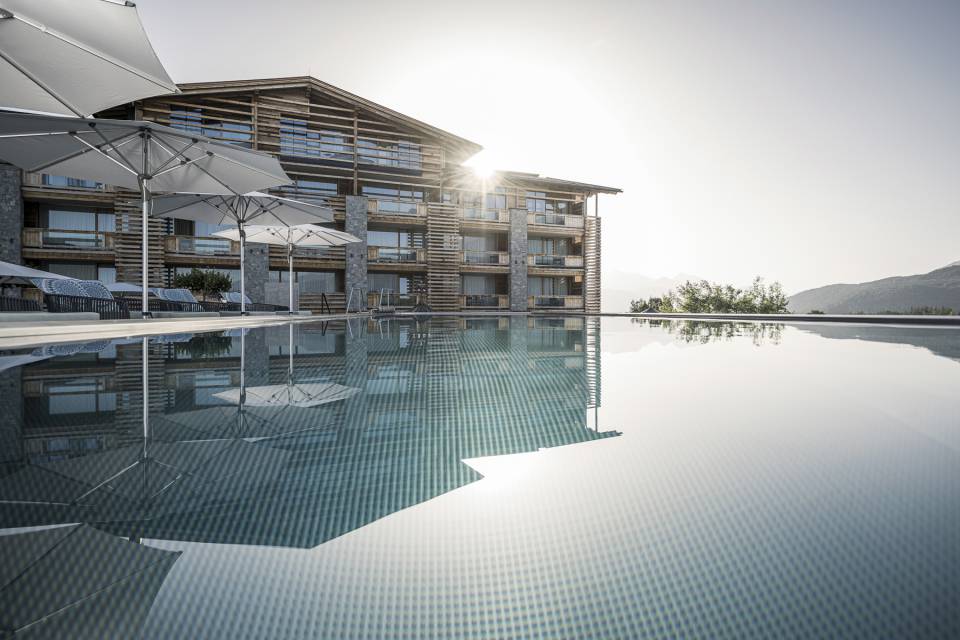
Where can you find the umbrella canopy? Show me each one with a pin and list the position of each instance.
(137, 155)
(17, 274)
(240, 210)
(78, 582)
(129, 153)
(76, 57)
(303, 235)
(311, 394)
(123, 287)
(261, 208)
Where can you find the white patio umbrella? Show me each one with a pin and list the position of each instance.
(240, 210)
(75, 57)
(18, 274)
(301, 235)
(143, 156)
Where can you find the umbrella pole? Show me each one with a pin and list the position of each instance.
(243, 295)
(290, 267)
(290, 349)
(146, 393)
(145, 239)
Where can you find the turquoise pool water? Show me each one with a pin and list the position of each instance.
(490, 477)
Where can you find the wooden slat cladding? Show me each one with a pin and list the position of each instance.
(443, 257)
(316, 137)
(591, 263)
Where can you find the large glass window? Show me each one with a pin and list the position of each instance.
(297, 139)
(310, 281)
(72, 183)
(79, 220)
(388, 282)
(543, 286)
(472, 284)
(402, 154)
(193, 120)
(78, 270)
(309, 190)
(390, 200)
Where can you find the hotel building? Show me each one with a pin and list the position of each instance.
(432, 231)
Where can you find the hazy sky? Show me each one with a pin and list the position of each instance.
(809, 142)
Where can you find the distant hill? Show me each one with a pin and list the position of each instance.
(618, 288)
(939, 288)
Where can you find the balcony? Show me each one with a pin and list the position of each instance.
(201, 246)
(555, 302)
(488, 258)
(405, 208)
(390, 299)
(486, 215)
(548, 260)
(555, 220)
(67, 239)
(396, 255)
(485, 301)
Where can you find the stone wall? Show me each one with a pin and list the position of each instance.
(11, 213)
(355, 272)
(256, 264)
(518, 259)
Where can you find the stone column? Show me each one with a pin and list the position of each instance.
(355, 271)
(256, 357)
(256, 265)
(11, 213)
(518, 259)
(11, 416)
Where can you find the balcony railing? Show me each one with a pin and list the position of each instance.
(63, 183)
(486, 215)
(202, 246)
(391, 299)
(549, 260)
(485, 301)
(67, 239)
(396, 207)
(396, 255)
(555, 302)
(486, 257)
(555, 220)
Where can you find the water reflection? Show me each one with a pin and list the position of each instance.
(292, 435)
(77, 582)
(943, 342)
(704, 332)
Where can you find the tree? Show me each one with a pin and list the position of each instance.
(706, 297)
(206, 283)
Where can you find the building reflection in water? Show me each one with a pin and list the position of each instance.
(290, 435)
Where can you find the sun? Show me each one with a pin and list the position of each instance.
(481, 165)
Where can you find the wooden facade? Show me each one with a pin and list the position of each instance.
(335, 146)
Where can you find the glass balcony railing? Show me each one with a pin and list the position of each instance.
(552, 260)
(67, 239)
(488, 215)
(393, 207)
(556, 302)
(202, 246)
(485, 300)
(486, 257)
(393, 254)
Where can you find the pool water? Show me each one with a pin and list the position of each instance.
(485, 477)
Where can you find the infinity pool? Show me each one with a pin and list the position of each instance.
(485, 478)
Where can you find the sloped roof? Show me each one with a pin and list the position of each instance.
(466, 147)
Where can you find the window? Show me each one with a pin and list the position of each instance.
(107, 274)
(388, 282)
(193, 120)
(541, 286)
(72, 183)
(495, 200)
(296, 139)
(311, 281)
(478, 285)
(396, 201)
(309, 190)
(79, 220)
(80, 271)
(400, 154)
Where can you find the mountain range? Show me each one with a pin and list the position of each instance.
(939, 288)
